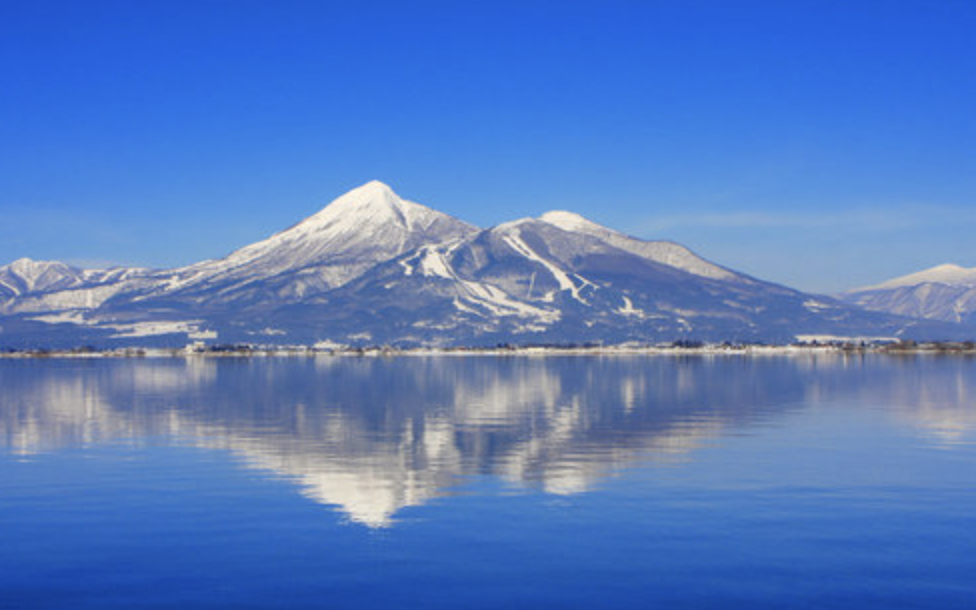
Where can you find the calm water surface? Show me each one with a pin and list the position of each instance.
(809, 481)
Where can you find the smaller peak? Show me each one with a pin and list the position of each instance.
(947, 273)
(944, 272)
(569, 221)
(561, 215)
(29, 263)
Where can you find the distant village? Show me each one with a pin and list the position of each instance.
(682, 347)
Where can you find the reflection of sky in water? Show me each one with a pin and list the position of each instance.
(374, 435)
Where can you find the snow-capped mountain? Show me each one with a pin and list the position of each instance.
(366, 226)
(946, 292)
(373, 268)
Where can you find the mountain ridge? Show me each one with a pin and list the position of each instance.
(372, 267)
(945, 292)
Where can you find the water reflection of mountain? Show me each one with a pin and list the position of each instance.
(935, 395)
(373, 435)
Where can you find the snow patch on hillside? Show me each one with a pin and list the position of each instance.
(628, 309)
(562, 278)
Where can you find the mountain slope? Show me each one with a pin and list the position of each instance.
(664, 252)
(946, 292)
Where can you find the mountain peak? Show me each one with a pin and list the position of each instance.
(367, 212)
(23, 263)
(569, 221)
(29, 266)
(25, 275)
(371, 204)
(372, 194)
(373, 188)
(947, 273)
(365, 226)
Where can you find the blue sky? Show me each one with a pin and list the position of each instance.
(822, 144)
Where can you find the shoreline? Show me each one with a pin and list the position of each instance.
(898, 349)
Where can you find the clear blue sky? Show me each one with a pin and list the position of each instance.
(822, 144)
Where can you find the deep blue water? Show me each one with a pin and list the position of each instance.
(799, 481)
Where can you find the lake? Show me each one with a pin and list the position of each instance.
(813, 480)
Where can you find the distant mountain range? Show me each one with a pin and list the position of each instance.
(372, 268)
(946, 292)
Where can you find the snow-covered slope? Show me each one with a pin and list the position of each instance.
(946, 292)
(664, 252)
